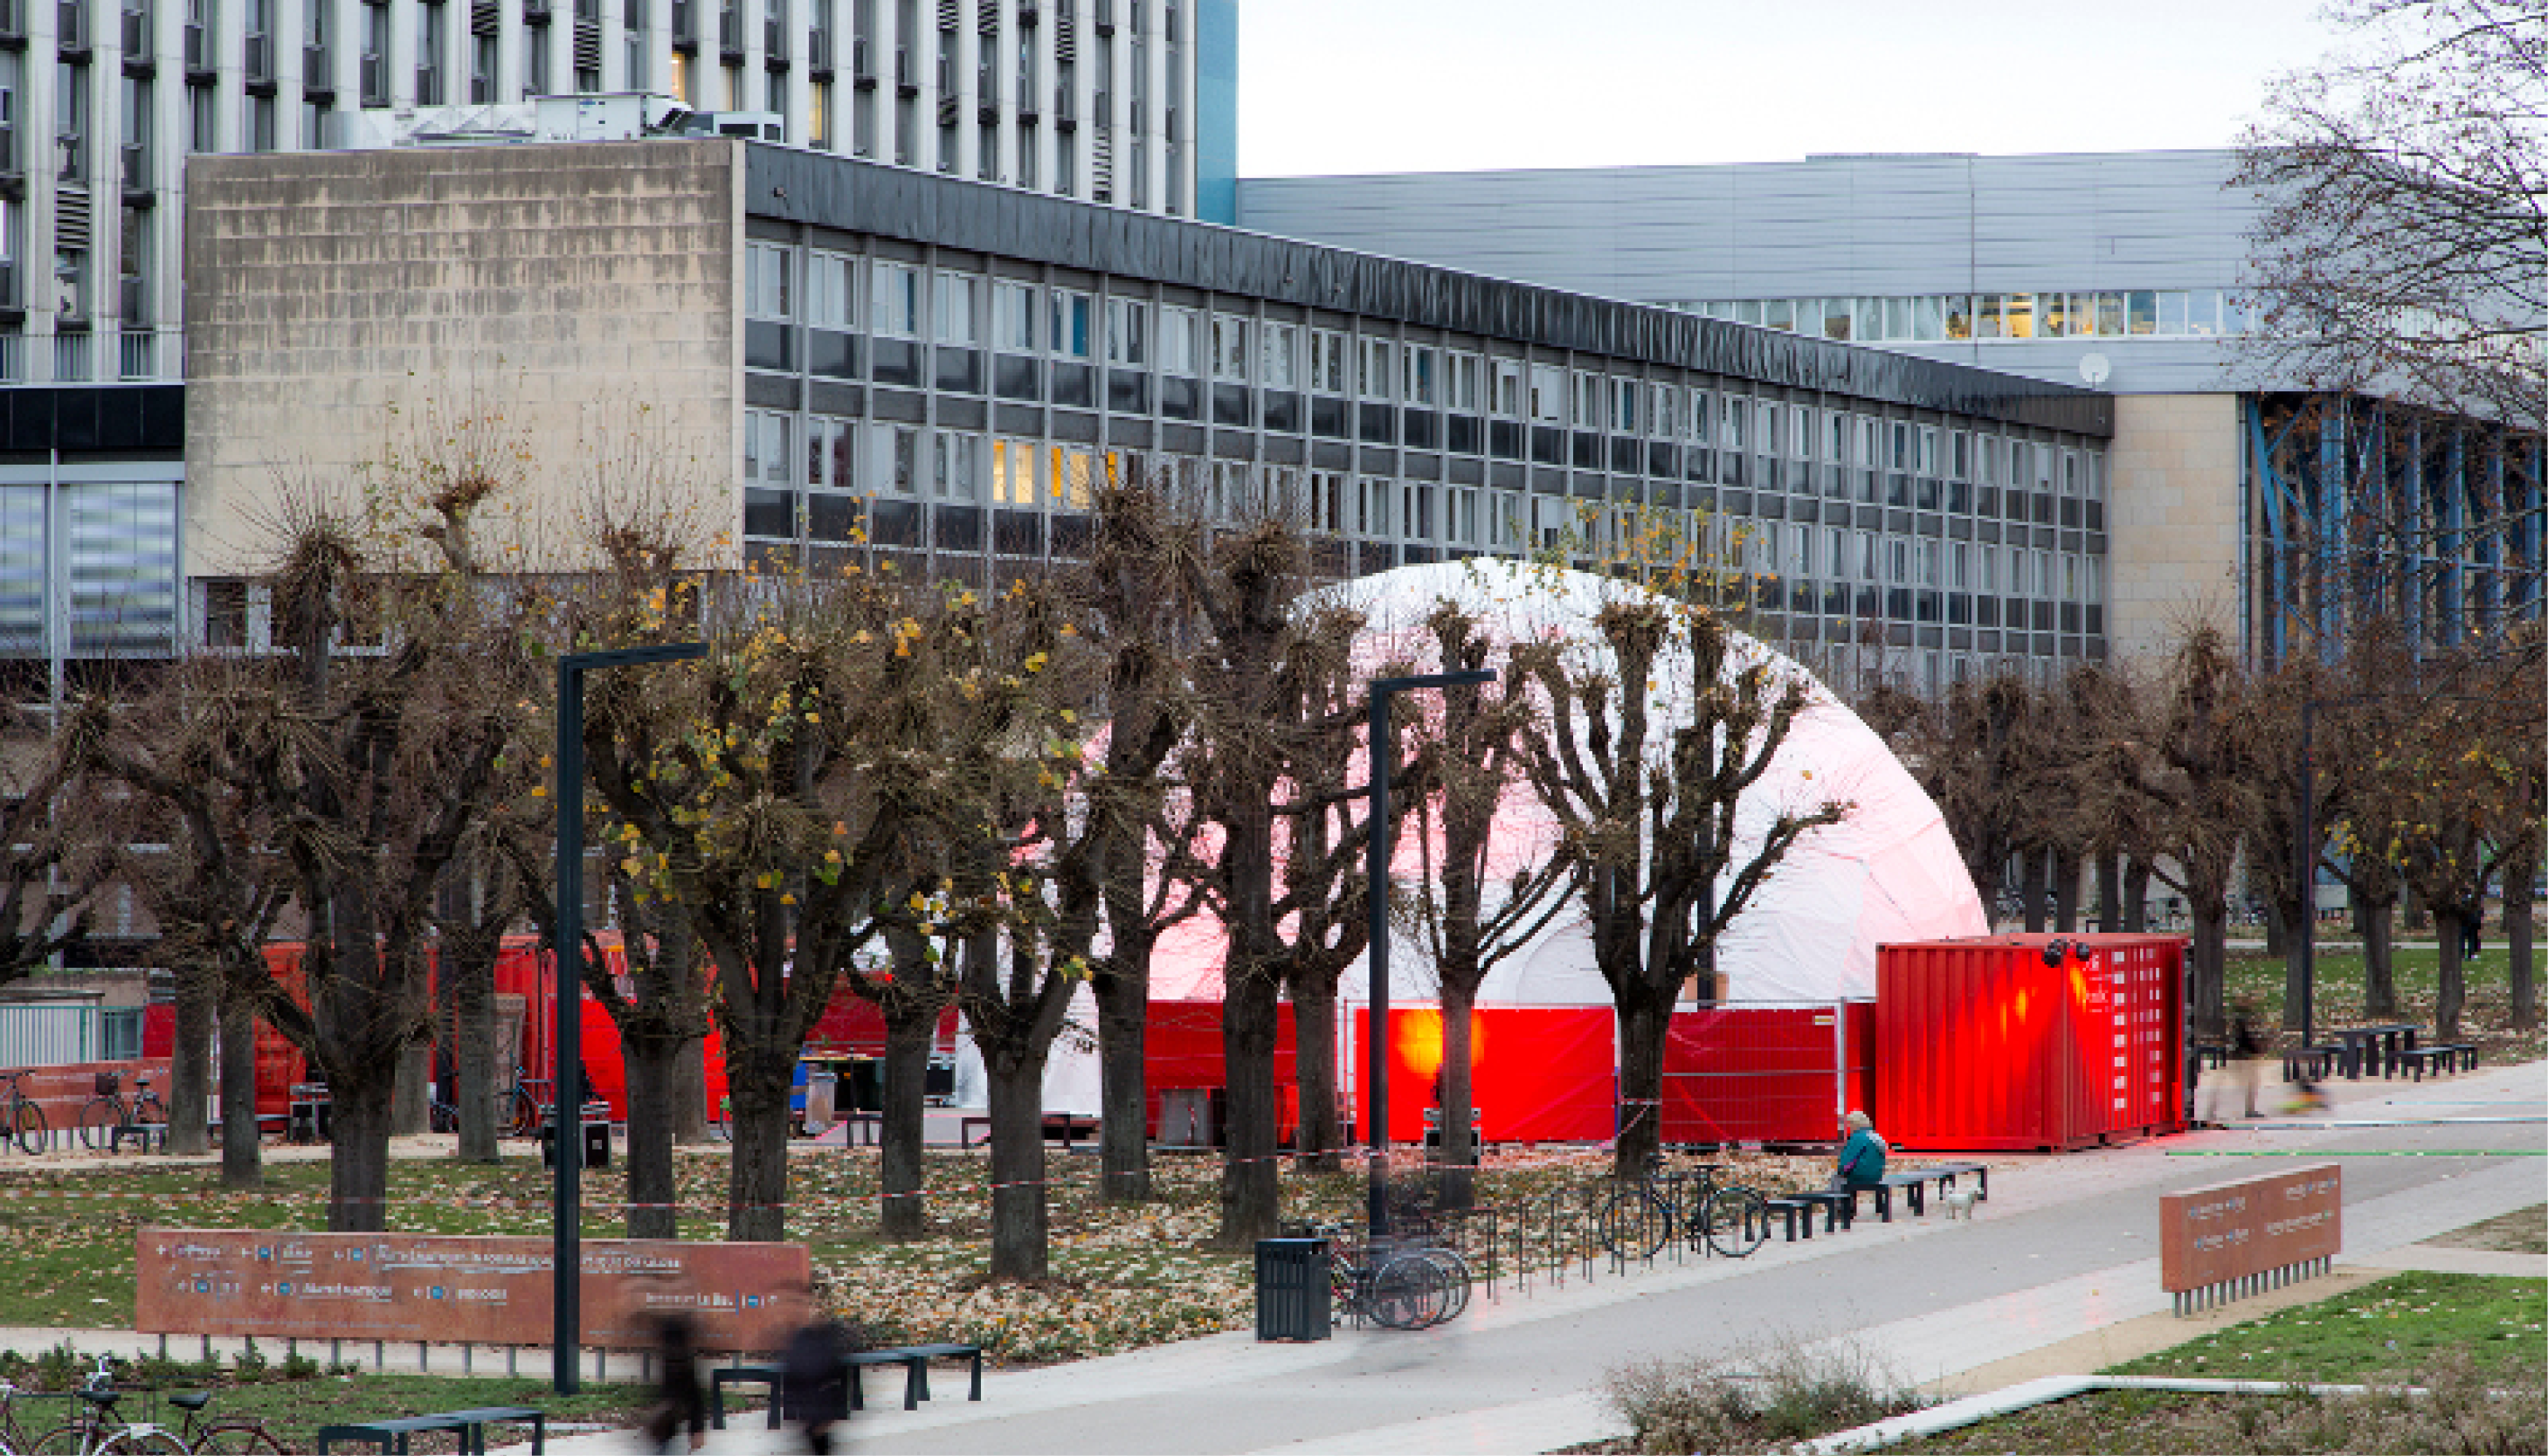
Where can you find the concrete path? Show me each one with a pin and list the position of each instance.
(2065, 1249)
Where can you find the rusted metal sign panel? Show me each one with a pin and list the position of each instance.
(2235, 1230)
(454, 1289)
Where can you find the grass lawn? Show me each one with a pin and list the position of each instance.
(2486, 1019)
(2461, 1335)
(1122, 1276)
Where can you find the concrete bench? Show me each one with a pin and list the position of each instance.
(914, 1360)
(1840, 1211)
(2439, 1058)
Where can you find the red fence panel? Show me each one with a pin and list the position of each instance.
(1986, 1043)
(1763, 1073)
(1182, 1051)
(1537, 1074)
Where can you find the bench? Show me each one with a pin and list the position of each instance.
(1064, 1128)
(390, 1436)
(914, 1360)
(2211, 1055)
(2311, 1064)
(1840, 1211)
(2438, 1059)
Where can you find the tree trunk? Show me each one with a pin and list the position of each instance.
(2067, 869)
(2030, 879)
(358, 1161)
(1459, 1150)
(2137, 883)
(190, 1066)
(1250, 1184)
(653, 1076)
(2206, 960)
(2416, 917)
(1320, 1131)
(1643, 1024)
(411, 1102)
(242, 1158)
(903, 1174)
(2451, 987)
(2379, 962)
(2278, 928)
(473, 1073)
(1020, 1236)
(2294, 988)
(2110, 892)
(1123, 1129)
(756, 1184)
(2520, 930)
(691, 1092)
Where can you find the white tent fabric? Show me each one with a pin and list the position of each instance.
(1888, 872)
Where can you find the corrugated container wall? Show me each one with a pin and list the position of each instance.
(1991, 1044)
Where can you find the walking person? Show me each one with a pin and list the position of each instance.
(678, 1403)
(2244, 1068)
(818, 1387)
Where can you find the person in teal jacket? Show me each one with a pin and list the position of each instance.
(1862, 1155)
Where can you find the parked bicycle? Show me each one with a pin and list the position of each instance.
(27, 1126)
(108, 1115)
(1392, 1284)
(1640, 1219)
(99, 1429)
(222, 1435)
(530, 1102)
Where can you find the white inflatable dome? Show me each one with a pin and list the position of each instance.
(1888, 872)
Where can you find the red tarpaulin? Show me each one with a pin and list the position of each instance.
(1182, 1052)
(1537, 1074)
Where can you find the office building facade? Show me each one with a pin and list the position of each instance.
(2237, 497)
(894, 363)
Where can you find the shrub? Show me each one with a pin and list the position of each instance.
(248, 1366)
(59, 1369)
(2456, 1414)
(297, 1366)
(1755, 1398)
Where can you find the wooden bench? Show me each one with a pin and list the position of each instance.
(390, 1436)
(914, 1360)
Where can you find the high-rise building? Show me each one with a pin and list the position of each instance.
(2238, 491)
(1122, 103)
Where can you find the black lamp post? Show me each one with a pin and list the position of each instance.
(567, 1260)
(1375, 874)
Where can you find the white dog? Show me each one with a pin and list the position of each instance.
(1959, 1202)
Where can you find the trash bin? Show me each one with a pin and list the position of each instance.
(866, 1084)
(596, 1135)
(822, 1087)
(1292, 1289)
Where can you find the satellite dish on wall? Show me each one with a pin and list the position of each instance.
(2096, 368)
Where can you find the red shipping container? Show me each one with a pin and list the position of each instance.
(1763, 1073)
(1983, 1045)
(1536, 1074)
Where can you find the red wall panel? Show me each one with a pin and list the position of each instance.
(1182, 1050)
(1537, 1075)
(1984, 1046)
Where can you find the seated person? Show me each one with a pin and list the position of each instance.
(1861, 1155)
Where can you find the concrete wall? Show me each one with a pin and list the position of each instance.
(2172, 520)
(333, 297)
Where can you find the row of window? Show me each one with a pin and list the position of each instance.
(1026, 321)
(1015, 474)
(2182, 312)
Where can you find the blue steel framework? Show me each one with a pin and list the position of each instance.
(2366, 507)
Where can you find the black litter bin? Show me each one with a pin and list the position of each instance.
(1292, 1289)
(596, 1136)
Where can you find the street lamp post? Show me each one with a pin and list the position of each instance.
(567, 1257)
(1376, 892)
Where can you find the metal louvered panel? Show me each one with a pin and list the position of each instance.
(588, 45)
(22, 571)
(122, 550)
(485, 18)
(71, 218)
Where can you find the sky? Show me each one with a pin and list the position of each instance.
(1331, 86)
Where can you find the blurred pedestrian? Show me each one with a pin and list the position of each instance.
(818, 1389)
(677, 1403)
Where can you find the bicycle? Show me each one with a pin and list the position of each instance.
(26, 1126)
(530, 1108)
(108, 1117)
(1727, 1217)
(227, 1436)
(100, 1430)
(1395, 1288)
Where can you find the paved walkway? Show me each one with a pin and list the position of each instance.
(2064, 1249)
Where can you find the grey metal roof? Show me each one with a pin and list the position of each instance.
(826, 190)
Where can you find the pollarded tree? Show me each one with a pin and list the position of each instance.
(1485, 897)
(1648, 810)
(2201, 770)
(46, 878)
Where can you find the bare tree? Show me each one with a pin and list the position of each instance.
(1489, 895)
(1649, 810)
(46, 878)
(2404, 246)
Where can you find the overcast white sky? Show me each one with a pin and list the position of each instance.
(1404, 85)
